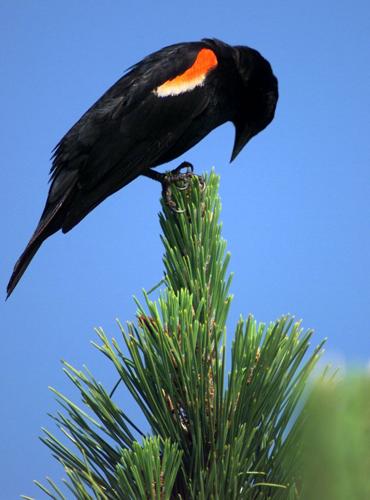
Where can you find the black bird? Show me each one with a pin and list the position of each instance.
(159, 109)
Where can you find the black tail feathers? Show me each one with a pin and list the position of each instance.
(51, 221)
(23, 262)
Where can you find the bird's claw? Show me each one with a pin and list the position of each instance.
(185, 186)
(167, 196)
(185, 164)
(182, 181)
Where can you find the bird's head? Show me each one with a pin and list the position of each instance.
(257, 97)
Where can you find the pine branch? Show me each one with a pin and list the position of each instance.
(212, 436)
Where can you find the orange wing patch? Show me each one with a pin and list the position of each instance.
(205, 61)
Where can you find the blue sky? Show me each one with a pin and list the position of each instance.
(296, 202)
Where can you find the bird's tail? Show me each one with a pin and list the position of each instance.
(51, 221)
(23, 262)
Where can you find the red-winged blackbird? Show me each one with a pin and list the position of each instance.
(162, 107)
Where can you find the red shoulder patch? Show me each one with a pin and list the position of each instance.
(194, 76)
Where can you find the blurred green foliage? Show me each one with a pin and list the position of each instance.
(335, 455)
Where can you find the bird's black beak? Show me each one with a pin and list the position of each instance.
(242, 136)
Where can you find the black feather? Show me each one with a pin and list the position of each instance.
(131, 129)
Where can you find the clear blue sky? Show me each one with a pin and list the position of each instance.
(296, 202)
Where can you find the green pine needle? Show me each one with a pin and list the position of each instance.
(213, 435)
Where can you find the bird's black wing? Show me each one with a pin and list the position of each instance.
(126, 131)
(129, 129)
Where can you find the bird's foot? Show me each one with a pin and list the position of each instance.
(179, 178)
